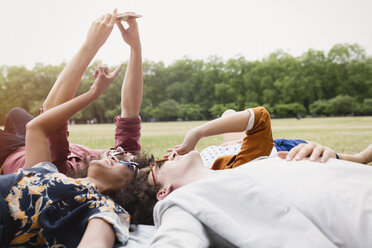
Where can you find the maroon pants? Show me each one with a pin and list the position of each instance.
(13, 135)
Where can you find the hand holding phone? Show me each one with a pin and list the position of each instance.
(127, 15)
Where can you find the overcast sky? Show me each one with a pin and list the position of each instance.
(51, 31)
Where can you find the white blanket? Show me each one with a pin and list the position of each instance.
(271, 203)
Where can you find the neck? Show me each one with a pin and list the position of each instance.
(196, 175)
(100, 186)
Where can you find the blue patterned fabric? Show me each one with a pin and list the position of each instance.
(287, 144)
(46, 208)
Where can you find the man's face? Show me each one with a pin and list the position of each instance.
(170, 171)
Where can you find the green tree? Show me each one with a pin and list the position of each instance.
(321, 107)
(289, 109)
(342, 104)
(191, 112)
(167, 110)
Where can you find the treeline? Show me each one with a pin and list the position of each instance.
(337, 83)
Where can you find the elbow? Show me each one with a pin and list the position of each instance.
(46, 106)
(33, 128)
(30, 126)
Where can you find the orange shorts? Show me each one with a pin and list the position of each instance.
(258, 142)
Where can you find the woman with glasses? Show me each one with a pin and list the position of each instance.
(71, 159)
(42, 207)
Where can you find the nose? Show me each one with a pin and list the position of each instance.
(173, 155)
(119, 149)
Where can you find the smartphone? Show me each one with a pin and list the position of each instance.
(127, 15)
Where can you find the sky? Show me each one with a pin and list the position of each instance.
(51, 31)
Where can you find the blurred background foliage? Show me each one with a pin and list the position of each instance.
(334, 84)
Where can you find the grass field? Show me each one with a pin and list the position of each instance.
(344, 134)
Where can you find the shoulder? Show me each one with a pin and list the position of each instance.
(46, 166)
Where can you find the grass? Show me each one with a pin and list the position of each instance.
(344, 134)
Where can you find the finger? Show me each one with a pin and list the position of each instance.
(131, 20)
(116, 71)
(107, 18)
(99, 19)
(121, 27)
(293, 152)
(317, 152)
(106, 70)
(172, 149)
(100, 69)
(282, 155)
(304, 152)
(95, 74)
(181, 150)
(326, 155)
(113, 17)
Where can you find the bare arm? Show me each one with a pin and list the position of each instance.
(131, 91)
(98, 234)
(236, 122)
(315, 151)
(38, 130)
(67, 83)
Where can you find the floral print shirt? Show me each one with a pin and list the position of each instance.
(49, 209)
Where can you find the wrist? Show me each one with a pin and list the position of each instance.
(92, 94)
(197, 132)
(136, 49)
(89, 48)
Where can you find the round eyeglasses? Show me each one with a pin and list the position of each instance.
(158, 163)
(131, 165)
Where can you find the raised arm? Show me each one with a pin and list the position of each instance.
(131, 91)
(68, 81)
(236, 122)
(38, 130)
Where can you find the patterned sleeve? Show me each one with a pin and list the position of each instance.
(119, 223)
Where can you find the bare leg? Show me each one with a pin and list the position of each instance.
(364, 157)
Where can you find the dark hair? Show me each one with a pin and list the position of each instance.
(138, 197)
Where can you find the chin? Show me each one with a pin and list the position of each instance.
(195, 158)
(194, 153)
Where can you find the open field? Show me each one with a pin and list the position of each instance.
(344, 134)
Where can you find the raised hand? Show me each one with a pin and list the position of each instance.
(100, 30)
(189, 143)
(104, 78)
(130, 34)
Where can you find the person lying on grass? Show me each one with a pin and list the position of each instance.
(265, 203)
(241, 147)
(42, 207)
(258, 143)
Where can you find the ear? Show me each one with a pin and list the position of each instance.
(163, 192)
(282, 155)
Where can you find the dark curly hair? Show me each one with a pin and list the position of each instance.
(138, 198)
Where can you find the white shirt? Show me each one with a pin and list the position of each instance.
(271, 203)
